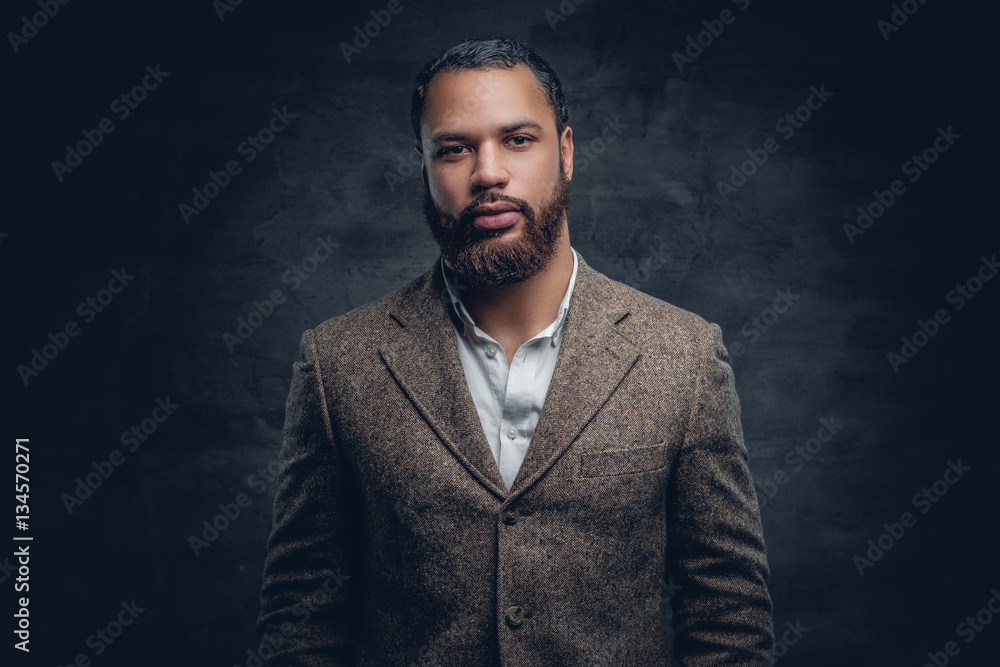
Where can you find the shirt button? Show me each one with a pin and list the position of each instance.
(511, 432)
(515, 616)
(491, 351)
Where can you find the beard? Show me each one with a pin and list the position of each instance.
(484, 261)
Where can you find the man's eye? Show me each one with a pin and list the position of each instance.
(520, 140)
(450, 150)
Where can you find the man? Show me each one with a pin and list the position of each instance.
(502, 462)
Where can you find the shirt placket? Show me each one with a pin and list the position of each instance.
(516, 408)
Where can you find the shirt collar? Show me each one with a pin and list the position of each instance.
(553, 331)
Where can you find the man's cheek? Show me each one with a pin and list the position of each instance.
(445, 206)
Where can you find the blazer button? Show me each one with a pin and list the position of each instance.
(515, 616)
(510, 516)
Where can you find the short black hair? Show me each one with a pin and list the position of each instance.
(484, 53)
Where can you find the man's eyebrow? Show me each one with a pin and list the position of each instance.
(521, 125)
(448, 136)
(506, 129)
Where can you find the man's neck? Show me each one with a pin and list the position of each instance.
(514, 314)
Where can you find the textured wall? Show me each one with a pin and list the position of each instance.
(647, 209)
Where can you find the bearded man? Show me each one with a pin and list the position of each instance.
(502, 462)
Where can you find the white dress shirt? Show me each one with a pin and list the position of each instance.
(508, 399)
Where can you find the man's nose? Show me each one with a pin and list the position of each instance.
(489, 170)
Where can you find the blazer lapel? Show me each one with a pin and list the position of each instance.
(424, 360)
(593, 360)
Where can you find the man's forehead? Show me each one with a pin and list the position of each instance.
(457, 96)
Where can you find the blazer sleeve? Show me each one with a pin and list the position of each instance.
(722, 612)
(310, 588)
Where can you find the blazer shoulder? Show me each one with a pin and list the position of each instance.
(655, 323)
(369, 326)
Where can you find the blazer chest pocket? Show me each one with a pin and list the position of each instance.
(623, 461)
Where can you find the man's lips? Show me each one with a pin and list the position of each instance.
(495, 217)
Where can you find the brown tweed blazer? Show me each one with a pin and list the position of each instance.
(394, 539)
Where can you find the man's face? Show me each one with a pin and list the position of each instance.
(497, 174)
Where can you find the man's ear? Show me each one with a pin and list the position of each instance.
(566, 152)
(423, 174)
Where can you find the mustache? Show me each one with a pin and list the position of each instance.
(465, 216)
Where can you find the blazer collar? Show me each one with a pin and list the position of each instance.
(593, 360)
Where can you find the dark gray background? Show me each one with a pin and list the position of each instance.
(653, 187)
